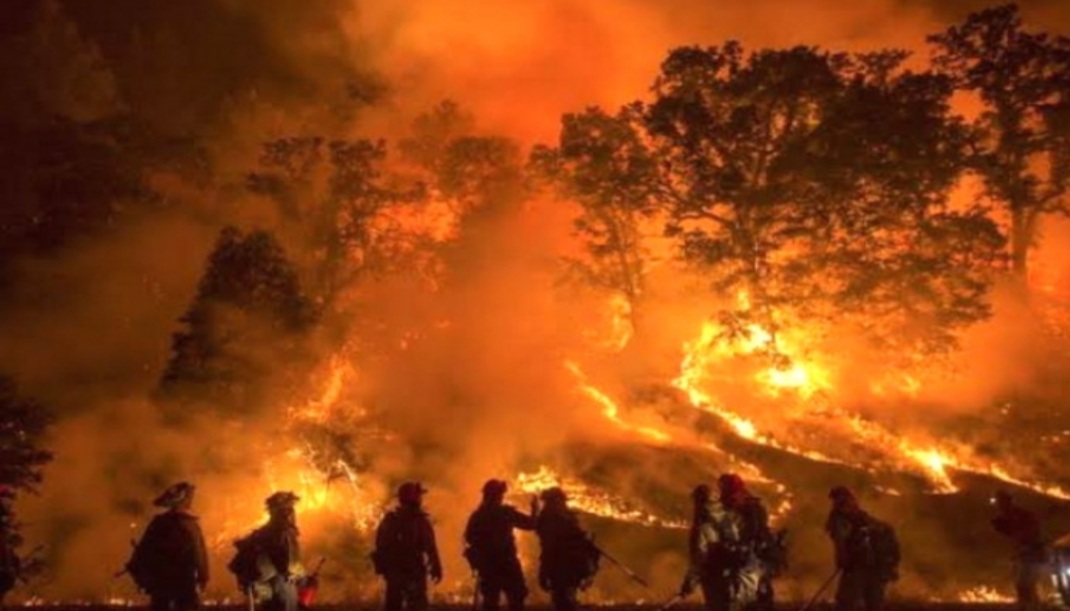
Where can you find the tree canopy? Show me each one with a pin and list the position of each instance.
(803, 183)
(23, 425)
(244, 334)
(1021, 138)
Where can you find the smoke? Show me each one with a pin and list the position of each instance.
(462, 379)
(519, 65)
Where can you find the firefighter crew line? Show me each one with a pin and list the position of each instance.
(733, 554)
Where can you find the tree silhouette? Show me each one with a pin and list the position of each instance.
(460, 165)
(1022, 137)
(23, 425)
(804, 183)
(244, 339)
(329, 193)
(603, 164)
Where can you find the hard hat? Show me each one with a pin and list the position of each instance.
(410, 492)
(175, 496)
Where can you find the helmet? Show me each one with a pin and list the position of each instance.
(730, 483)
(841, 493)
(410, 492)
(177, 495)
(281, 500)
(701, 493)
(495, 487)
(552, 495)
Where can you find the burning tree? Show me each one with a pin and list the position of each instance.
(1021, 140)
(23, 424)
(807, 185)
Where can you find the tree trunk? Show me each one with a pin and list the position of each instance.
(1021, 239)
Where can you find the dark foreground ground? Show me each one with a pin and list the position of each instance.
(371, 606)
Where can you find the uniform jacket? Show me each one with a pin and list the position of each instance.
(1022, 527)
(568, 556)
(405, 543)
(172, 551)
(279, 541)
(489, 533)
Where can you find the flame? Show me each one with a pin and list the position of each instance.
(937, 461)
(592, 501)
(320, 408)
(333, 493)
(611, 411)
(714, 348)
(983, 594)
(702, 355)
(663, 437)
(328, 488)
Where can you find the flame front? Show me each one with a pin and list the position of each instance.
(984, 594)
(714, 349)
(591, 501)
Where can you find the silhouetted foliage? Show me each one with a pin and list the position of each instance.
(1021, 146)
(23, 425)
(804, 183)
(331, 193)
(460, 165)
(603, 164)
(245, 334)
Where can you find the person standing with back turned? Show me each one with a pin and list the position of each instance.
(491, 547)
(405, 551)
(170, 562)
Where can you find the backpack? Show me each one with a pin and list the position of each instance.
(874, 545)
(886, 550)
(250, 563)
(153, 558)
(401, 543)
(587, 561)
(773, 552)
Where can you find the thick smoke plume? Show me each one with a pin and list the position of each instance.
(451, 376)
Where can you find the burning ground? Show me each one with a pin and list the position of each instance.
(275, 260)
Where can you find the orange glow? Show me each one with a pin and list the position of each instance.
(984, 594)
(714, 350)
(590, 500)
(611, 411)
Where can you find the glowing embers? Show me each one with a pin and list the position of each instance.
(785, 365)
(610, 409)
(331, 489)
(590, 500)
(613, 329)
(320, 408)
(983, 594)
(330, 494)
(845, 438)
(936, 461)
(710, 352)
